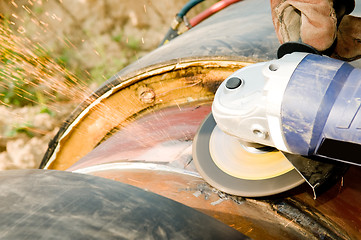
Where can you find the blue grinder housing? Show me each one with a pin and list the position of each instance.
(320, 109)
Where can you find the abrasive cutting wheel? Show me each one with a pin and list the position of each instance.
(241, 170)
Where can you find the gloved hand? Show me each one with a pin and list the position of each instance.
(321, 24)
(348, 46)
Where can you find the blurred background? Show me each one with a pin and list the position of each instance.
(55, 53)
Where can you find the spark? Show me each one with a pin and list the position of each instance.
(54, 16)
(289, 222)
(35, 130)
(27, 69)
(132, 180)
(26, 9)
(342, 182)
(24, 91)
(44, 23)
(341, 185)
(14, 4)
(21, 30)
(22, 65)
(5, 104)
(68, 41)
(250, 230)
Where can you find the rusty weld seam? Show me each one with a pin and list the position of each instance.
(308, 218)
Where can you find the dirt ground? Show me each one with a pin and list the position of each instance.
(94, 39)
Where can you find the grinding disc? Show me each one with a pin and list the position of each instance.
(262, 185)
(240, 161)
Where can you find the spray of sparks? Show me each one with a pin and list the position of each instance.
(28, 75)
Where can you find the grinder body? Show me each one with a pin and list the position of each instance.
(303, 104)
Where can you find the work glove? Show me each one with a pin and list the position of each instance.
(322, 24)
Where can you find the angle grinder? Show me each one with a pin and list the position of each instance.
(275, 125)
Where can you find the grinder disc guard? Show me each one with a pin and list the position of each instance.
(262, 184)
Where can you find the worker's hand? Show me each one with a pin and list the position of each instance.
(319, 23)
(348, 46)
